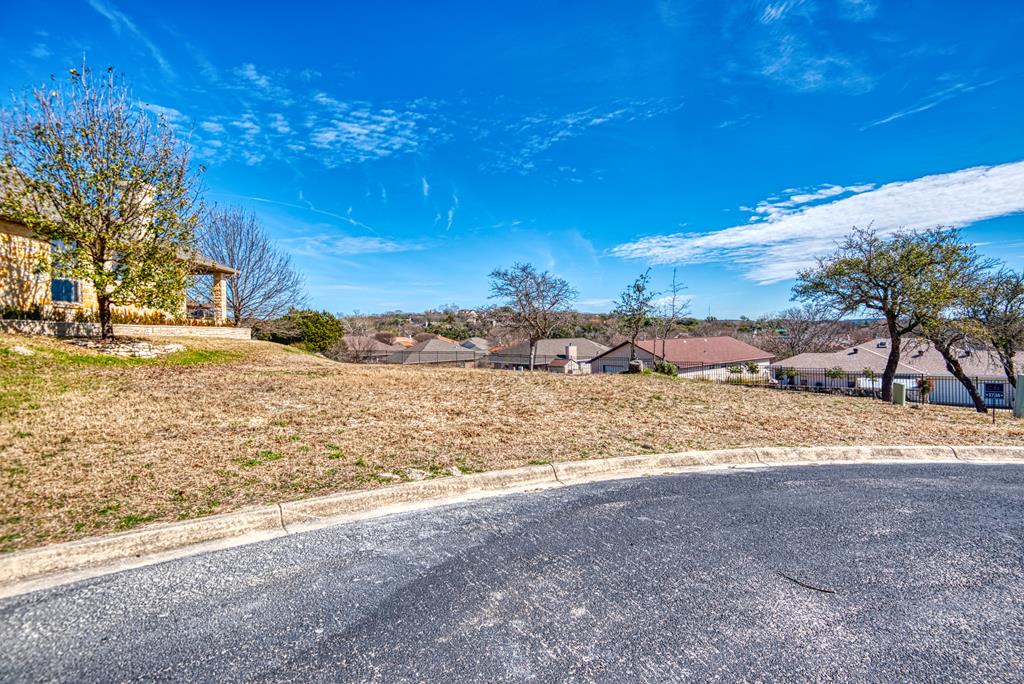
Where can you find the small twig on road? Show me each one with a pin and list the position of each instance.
(804, 584)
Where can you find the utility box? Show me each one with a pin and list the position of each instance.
(899, 393)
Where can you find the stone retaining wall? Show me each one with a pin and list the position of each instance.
(68, 329)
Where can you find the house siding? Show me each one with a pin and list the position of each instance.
(25, 285)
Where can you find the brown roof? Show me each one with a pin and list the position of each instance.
(365, 343)
(692, 351)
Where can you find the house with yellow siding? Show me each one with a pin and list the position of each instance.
(26, 285)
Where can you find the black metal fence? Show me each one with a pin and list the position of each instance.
(453, 357)
(944, 390)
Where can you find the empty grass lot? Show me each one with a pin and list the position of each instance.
(91, 444)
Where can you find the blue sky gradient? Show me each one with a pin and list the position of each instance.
(401, 151)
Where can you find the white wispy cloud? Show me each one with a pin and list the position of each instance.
(785, 42)
(169, 114)
(40, 51)
(533, 135)
(793, 61)
(783, 239)
(858, 10)
(212, 127)
(280, 124)
(425, 186)
(327, 244)
(933, 100)
(120, 21)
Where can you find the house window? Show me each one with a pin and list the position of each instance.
(65, 291)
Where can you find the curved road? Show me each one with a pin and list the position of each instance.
(880, 572)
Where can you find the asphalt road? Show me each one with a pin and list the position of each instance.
(859, 572)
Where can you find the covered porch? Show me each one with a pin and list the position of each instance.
(203, 266)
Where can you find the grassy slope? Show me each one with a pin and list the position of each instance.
(92, 444)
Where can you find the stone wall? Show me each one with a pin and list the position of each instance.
(67, 329)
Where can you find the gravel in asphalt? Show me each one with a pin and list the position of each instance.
(854, 572)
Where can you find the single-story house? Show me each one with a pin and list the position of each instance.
(25, 286)
(861, 367)
(363, 348)
(712, 358)
(517, 356)
(436, 351)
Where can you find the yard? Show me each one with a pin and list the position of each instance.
(91, 444)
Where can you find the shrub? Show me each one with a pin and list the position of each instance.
(316, 331)
(735, 370)
(666, 368)
(752, 367)
(835, 373)
(34, 313)
(869, 374)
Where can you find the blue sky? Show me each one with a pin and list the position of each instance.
(401, 151)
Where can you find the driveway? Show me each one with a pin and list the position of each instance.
(854, 572)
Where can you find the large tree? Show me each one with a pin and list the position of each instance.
(534, 302)
(897, 277)
(266, 286)
(635, 310)
(999, 312)
(108, 184)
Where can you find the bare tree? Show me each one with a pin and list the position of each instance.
(801, 330)
(267, 285)
(536, 303)
(113, 189)
(668, 312)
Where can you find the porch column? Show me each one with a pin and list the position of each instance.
(220, 299)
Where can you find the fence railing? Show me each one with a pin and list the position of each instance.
(944, 390)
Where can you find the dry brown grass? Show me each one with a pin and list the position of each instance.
(91, 445)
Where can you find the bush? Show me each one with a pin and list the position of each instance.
(316, 331)
(752, 367)
(835, 373)
(735, 370)
(666, 368)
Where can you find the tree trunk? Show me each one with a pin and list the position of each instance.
(1006, 358)
(954, 367)
(106, 325)
(533, 351)
(889, 374)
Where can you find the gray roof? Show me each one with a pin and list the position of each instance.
(918, 357)
(369, 344)
(476, 343)
(547, 350)
(434, 351)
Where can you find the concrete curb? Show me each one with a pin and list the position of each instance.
(154, 543)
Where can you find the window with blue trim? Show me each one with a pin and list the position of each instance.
(63, 290)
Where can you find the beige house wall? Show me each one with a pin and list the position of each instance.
(24, 283)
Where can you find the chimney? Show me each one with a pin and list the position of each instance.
(570, 352)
